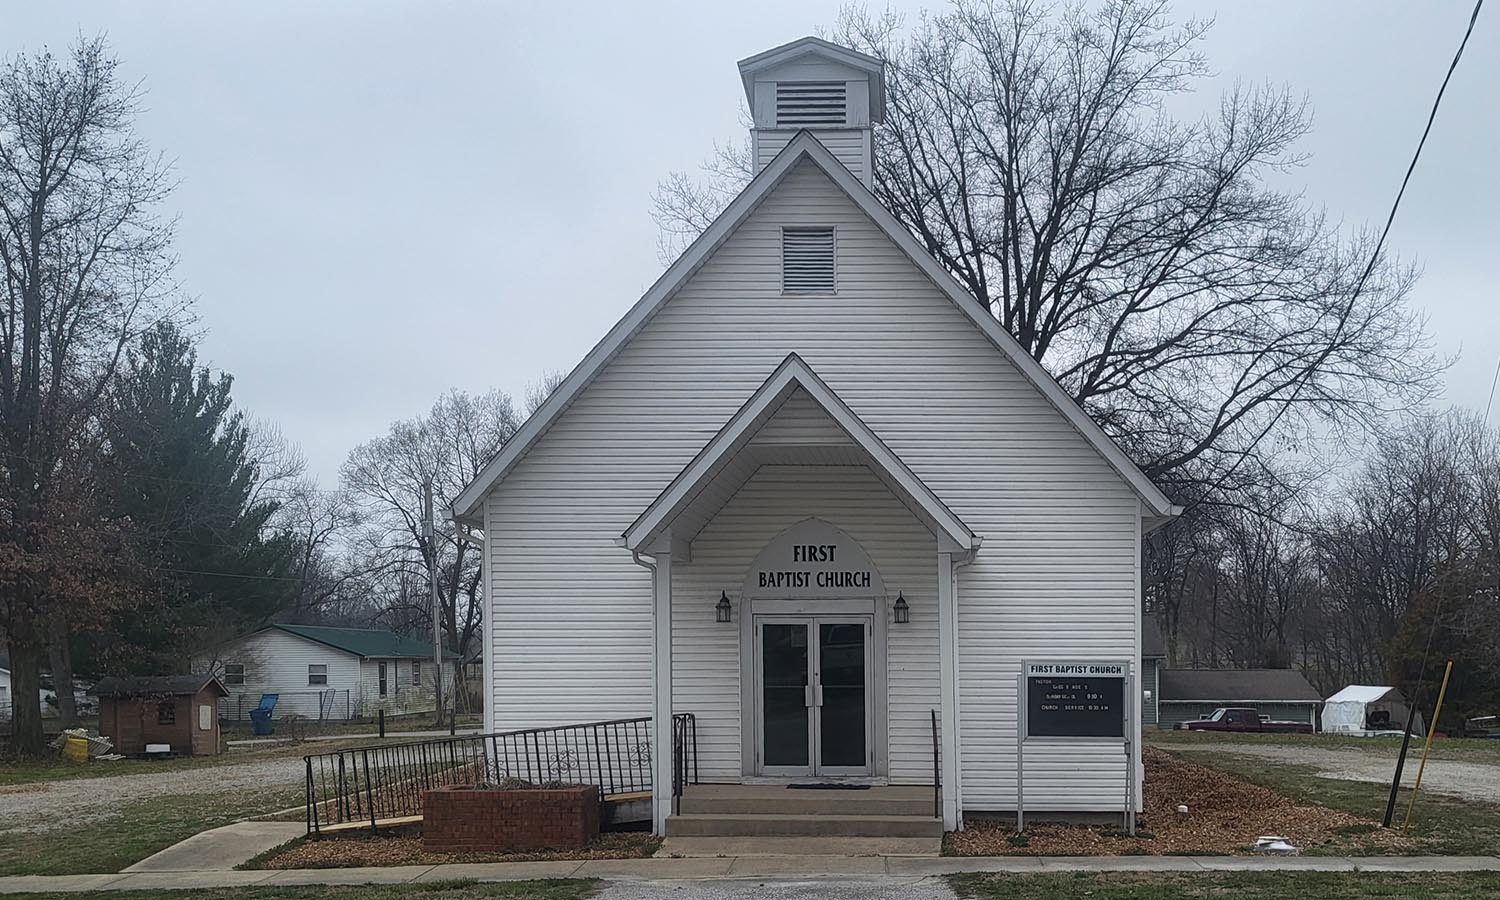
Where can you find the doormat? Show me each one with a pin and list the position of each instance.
(828, 786)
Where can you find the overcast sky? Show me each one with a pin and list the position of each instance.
(381, 201)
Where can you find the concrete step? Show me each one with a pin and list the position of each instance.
(780, 800)
(742, 825)
(807, 803)
(799, 846)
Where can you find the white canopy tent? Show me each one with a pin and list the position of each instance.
(1367, 709)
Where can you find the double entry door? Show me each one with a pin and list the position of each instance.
(813, 694)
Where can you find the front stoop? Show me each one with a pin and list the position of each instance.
(765, 811)
(787, 846)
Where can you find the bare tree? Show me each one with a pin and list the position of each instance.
(87, 267)
(1204, 318)
(451, 444)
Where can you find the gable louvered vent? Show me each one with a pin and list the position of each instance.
(807, 103)
(807, 260)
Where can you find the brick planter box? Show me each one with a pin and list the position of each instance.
(467, 818)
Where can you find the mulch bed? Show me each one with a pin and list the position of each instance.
(1225, 816)
(405, 849)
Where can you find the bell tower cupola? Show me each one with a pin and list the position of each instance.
(835, 93)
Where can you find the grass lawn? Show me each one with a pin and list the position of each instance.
(1472, 749)
(1447, 825)
(557, 889)
(1237, 885)
(141, 829)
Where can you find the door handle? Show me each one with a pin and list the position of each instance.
(807, 696)
(818, 695)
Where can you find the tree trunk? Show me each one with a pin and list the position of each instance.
(62, 671)
(25, 679)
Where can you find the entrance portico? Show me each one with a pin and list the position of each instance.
(809, 529)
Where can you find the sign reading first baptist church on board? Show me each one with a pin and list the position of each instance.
(1068, 699)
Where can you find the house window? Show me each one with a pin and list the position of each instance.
(416, 673)
(807, 261)
(234, 674)
(317, 674)
(382, 679)
(166, 712)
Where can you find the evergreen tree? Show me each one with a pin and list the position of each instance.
(181, 475)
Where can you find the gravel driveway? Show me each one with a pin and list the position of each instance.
(1459, 778)
(48, 805)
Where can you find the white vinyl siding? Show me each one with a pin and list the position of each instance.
(277, 662)
(1056, 575)
(851, 146)
(1149, 680)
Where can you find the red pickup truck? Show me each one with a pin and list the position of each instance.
(1243, 719)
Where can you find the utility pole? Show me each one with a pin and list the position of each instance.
(429, 537)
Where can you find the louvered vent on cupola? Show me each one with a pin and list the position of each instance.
(804, 104)
(807, 261)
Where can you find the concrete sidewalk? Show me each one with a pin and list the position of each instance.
(795, 868)
(221, 849)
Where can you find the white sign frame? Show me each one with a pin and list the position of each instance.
(1088, 669)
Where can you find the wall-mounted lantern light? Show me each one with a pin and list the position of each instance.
(902, 610)
(723, 612)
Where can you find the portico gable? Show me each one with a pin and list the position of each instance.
(818, 544)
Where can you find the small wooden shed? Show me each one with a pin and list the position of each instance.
(179, 711)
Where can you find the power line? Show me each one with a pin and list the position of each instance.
(1379, 243)
(1493, 381)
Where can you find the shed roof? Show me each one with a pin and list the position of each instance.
(366, 642)
(1235, 686)
(145, 685)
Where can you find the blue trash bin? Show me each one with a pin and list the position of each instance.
(260, 721)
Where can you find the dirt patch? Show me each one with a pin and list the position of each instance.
(405, 849)
(1225, 815)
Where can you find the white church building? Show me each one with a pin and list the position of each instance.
(810, 491)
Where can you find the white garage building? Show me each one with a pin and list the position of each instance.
(807, 428)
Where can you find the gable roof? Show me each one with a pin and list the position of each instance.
(365, 642)
(803, 147)
(146, 685)
(737, 433)
(814, 46)
(1235, 686)
(1365, 693)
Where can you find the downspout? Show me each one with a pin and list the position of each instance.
(958, 787)
(658, 803)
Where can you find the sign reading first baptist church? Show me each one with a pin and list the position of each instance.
(1067, 699)
(813, 559)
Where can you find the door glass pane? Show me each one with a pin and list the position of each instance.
(841, 659)
(784, 697)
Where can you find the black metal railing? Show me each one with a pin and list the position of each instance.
(684, 756)
(385, 782)
(937, 770)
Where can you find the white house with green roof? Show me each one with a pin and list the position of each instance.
(321, 672)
